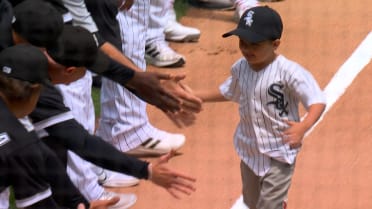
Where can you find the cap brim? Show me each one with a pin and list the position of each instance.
(246, 35)
(100, 64)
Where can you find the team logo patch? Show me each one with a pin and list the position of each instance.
(4, 138)
(276, 92)
(249, 18)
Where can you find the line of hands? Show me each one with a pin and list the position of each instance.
(168, 93)
(179, 102)
(174, 182)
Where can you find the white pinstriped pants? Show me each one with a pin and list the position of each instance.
(77, 96)
(124, 122)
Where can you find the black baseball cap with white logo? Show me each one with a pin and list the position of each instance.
(77, 47)
(25, 62)
(38, 22)
(258, 24)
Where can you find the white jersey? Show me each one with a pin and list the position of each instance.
(266, 98)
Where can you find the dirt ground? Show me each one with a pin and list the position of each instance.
(334, 168)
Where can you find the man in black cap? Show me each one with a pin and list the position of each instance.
(62, 53)
(41, 26)
(74, 52)
(26, 164)
(90, 147)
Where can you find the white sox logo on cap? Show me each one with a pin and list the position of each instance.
(249, 18)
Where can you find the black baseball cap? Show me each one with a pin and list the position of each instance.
(258, 24)
(38, 22)
(77, 47)
(25, 62)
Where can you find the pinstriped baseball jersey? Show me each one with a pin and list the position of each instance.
(266, 98)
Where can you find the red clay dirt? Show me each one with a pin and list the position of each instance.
(334, 168)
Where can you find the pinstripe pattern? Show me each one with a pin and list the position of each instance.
(77, 96)
(124, 122)
(258, 136)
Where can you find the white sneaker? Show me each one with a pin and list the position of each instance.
(126, 200)
(114, 179)
(174, 31)
(160, 54)
(160, 144)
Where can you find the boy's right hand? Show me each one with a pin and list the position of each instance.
(189, 103)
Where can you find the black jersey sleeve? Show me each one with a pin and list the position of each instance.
(50, 104)
(104, 15)
(52, 115)
(95, 150)
(118, 73)
(13, 134)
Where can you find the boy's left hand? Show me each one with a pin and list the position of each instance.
(294, 134)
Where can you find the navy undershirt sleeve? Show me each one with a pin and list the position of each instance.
(95, 150)
(118, 73)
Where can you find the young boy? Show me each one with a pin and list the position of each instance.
(268, 88)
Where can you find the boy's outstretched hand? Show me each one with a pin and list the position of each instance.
(189, 103)
(174, 182)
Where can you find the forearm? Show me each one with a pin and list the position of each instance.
(118, 56)
(118, 73)
(211, 96)
(105, 155)
(95, 150)
(313, 114)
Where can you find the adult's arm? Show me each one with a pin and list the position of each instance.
(94, 149)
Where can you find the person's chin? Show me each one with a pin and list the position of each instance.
(250, 59)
